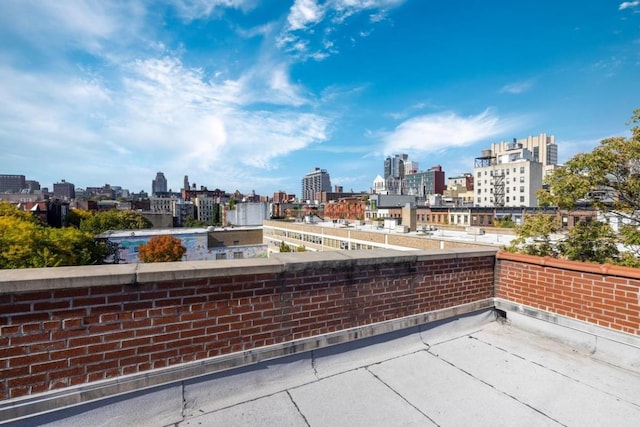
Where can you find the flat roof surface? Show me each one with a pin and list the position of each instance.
(468, 372)
(493, 239)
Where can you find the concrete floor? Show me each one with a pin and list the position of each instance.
(470, 372)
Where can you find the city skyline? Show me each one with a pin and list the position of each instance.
(250, 95)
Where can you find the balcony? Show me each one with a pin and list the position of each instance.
(460, 336)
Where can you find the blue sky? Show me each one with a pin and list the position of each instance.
(251, 95)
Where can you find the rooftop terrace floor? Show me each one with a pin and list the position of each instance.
(472, 371)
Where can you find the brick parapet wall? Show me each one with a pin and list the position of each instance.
(603, 295)
(70, 326)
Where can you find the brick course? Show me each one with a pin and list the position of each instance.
(604, 295)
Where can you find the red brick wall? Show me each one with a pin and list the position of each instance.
(604, 295)
(51, 339)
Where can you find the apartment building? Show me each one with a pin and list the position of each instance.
(510, 179)
(510, 173)
(315, 181)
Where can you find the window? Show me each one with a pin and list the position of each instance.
(521, 199)
(221, 256)
(522, 189)
(507, 199)
(479, 174)
(521, 169)
(238, 255)
(522, 179)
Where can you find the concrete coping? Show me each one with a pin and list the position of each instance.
(583, 267)
(35, 279)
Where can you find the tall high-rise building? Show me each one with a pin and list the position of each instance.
(185, 185)
(315, 181)
(394, 166)
(159, 185)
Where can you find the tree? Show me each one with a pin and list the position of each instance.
(163, 248)
(76, 216)
(590, 241)
(27, 243)
(114, 220)
(607, 178)
(505, 222)
(284, 247)
(534, 236)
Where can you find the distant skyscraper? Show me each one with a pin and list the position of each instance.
(12, 183)
(315, 181)
(159, 185)
(64, 190)
(394, 166)
(186, 182)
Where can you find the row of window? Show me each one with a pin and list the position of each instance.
(504, 172)
(506, 199)
(507, 190)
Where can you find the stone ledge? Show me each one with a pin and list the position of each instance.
(36, 279)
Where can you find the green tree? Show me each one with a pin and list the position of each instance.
(26, 243)
(607, 178)
(284, 247)
(163, 248)
(192, 222)
(534, 236)
(114, 220)
(505, 222)
(76, 216)
(590, 241)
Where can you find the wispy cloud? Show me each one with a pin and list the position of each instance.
(196, 9)
(311, 24)
(146, 110)
(433, 133)
(516, 88)
(628, 5)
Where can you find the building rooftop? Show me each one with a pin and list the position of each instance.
(468, 370)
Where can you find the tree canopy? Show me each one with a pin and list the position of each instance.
(607, 179)
(163, 248)
(114, 220)
(27, 243)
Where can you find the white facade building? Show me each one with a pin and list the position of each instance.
(543, 149)
(248, 214)
(510, 179)
(510, 173)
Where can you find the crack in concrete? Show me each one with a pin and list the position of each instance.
(298, 408)
(493, 387)
(402, 397)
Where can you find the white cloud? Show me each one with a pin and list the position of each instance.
(196, 9)
(308, 19)
(68, 24)
(433, 133)
(628, 5)
(304, 13)
(517, 87)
